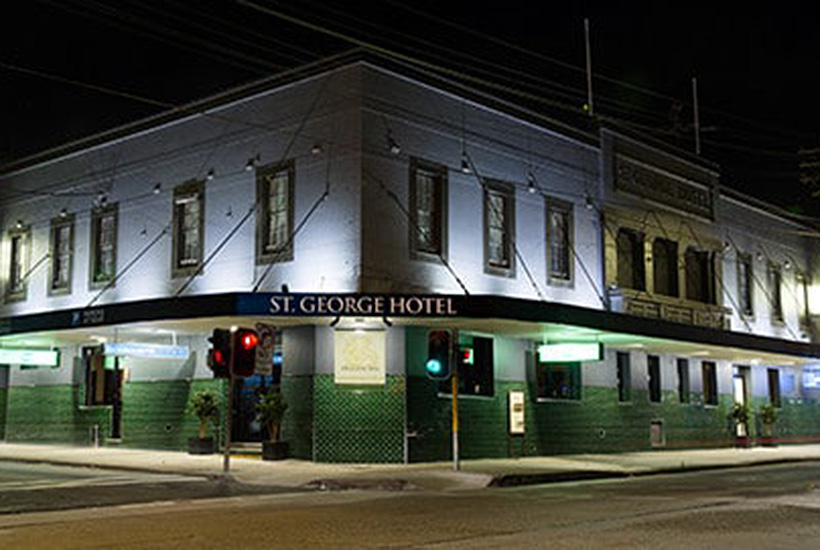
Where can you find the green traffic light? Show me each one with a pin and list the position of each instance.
(433, 366)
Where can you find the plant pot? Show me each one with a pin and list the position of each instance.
(274, 450)
(201, 446)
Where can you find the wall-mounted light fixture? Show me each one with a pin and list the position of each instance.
(252, 162)
(392, 144)
(210, 175)
(531, 183)
(157, 188)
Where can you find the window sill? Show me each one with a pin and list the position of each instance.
(578, 401)
(442, 395)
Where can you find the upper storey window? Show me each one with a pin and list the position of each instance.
(499, 227)
(631, 272)
(274, 188)
(188, 224)
(19, 251)
(744, 284)
(103, 245)
(62, 253)
(700, 279)
(559, 241)
(428, 209)
(665, 267)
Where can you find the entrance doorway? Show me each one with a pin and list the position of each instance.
(740, 385)
(246, 391)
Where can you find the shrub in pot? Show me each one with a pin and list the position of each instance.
(204, 405)
(739, 415)
(768, 416)
(270, 410)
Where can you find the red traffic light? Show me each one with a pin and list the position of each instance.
(245, 341)
(248, 339)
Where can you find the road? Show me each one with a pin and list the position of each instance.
(760, 507)
(43, 487)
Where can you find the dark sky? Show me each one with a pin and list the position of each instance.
(757, 76)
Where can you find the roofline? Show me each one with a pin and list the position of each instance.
(245, 91)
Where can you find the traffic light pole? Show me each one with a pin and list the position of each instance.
(226, 458)
(454, 385)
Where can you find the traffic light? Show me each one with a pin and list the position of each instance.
(439, 354)
(245, 342)
(219, 356)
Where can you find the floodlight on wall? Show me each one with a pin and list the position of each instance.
(210, 175)
(102, 199)
(465, 163)
(19, 224)
(531, 185)
(588, 204)
(759, 256)
(63, 213)
(157, 188)
(392, 144)
(316, 149)
(251, 163)
(787, 264)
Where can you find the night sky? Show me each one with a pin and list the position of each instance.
(757, 72)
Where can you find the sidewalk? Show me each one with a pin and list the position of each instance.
(436, 475)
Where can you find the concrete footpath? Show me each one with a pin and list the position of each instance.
(430, 475)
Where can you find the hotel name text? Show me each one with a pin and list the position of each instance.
(361, 304)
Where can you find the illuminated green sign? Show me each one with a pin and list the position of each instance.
(560, 353)
(22, 356)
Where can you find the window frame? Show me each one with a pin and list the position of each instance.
(708, 370)
(265, 252)
(59, 260)
(18, 294)
(803, 311)
(507, 192)
(773, 385)
(748, 283)
(483, 359)
(190, 190)
(667, 248)
(702, 264)
(94, 256)
(655, 390)
(623, 376)
(636, 257)
(775, 278)
(684, 380)
(438, 174)
(565, 208)
(575, 374)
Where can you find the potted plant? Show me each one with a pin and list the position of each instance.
(270, 410)
(204, 405)
(768, 416)
(739, 416)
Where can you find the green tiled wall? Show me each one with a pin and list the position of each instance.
(3, 395)
(358, 424)
(297, 426)
(797, 420)
(154, 414)
(52, 414)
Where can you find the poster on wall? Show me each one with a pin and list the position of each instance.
(516, 402)
(360, 357)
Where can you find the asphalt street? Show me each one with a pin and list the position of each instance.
(750, 508)
(35, 487)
